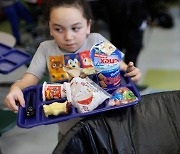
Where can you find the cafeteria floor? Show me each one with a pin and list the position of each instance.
(160, 66)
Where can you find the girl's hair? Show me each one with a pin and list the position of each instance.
(79, 4)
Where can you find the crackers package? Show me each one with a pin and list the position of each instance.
(68, 66)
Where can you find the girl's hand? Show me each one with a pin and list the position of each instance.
(133, 72)
(14, 98)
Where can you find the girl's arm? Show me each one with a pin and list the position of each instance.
(15, 95)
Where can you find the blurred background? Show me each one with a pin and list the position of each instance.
(158, 53)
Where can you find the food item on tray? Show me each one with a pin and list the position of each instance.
(53, 91)
(56, 71)
(65, 67)
(74, 72)
(88, 71)
(86, 95)
(86, 62)
(106, 60)
(56, 108)
(122, 95)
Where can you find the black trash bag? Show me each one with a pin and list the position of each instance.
(150, 127)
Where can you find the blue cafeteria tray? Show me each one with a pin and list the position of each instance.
(12, 58)
(39, 118)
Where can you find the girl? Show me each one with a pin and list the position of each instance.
(69, 23)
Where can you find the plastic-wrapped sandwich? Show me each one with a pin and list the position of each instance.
(86, 94)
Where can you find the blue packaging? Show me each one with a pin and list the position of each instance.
(106, 60)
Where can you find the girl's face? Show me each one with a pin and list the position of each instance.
(69, 28)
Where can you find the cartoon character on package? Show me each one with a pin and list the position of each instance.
(56, 71)
(86, 62)
(72, 65)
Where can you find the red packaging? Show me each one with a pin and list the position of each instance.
(53, 91)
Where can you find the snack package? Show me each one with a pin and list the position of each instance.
(53, 91)
(72, 60)
(86, 62)
(65, 67)
(86, 95)
(72, 65)
(56, 64)
(106, 60)
(122, 95)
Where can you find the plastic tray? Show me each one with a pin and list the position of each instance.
(11, 58)
(40, 119)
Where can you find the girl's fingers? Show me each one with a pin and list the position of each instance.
(21, 101)
(136, 78)
(130, 67)
(135, 74)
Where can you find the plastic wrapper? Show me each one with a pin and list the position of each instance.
(122, 95)
(86, 94)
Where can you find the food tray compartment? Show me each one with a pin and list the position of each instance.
(6, 65)
(40, 119)
(4, 49)
(30, 121)
(11, 59)
(53, 119)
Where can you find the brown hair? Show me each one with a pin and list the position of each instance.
(80, 4)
